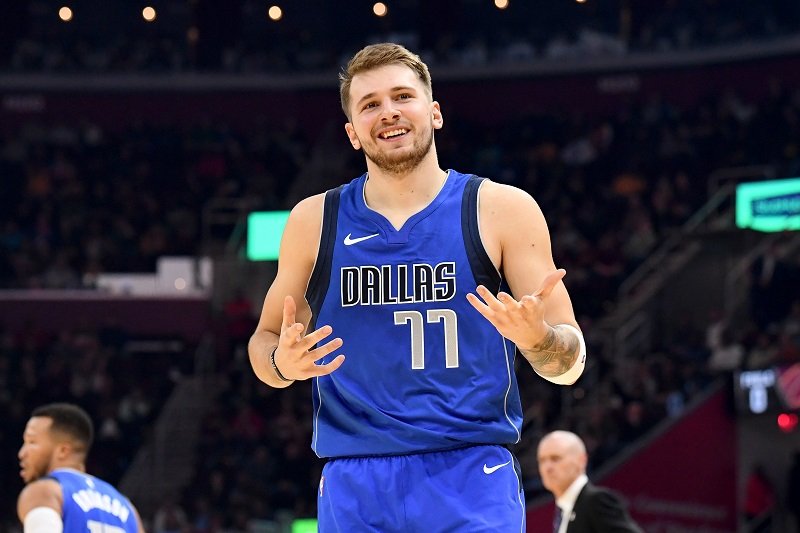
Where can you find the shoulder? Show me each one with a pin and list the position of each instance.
(309, 210)
(603, 497)
(597, 491)
(305, 221)
(41, 493)
(301, 237)
(502, 196)
(509, 208)
(609, 510)
(510, 219)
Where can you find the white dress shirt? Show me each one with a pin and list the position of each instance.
(566, 502)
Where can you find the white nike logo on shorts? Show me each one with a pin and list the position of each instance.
(492, 469)
(348, 241)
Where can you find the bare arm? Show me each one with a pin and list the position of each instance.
(139, 523)
(515, 234)
(41, 493)
(285, 314)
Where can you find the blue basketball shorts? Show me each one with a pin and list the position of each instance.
(468, 490)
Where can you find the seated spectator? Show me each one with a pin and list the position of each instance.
(727, 354)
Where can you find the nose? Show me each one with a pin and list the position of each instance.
(389, 111)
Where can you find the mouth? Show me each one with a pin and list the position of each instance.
(392, 134)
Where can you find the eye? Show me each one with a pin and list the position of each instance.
(403, 96)
(370, 105)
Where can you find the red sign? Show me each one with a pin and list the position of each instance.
(681, 480)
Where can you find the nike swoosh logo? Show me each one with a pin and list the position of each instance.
(492, 469)
(348, 241)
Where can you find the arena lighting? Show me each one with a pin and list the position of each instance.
(380, 9)
(275, 13)
(149, 14)
(769, 206)
(501, 4)
(304, 525)
(787, 422)
(65, 14)
(264, 231)
(193, 35)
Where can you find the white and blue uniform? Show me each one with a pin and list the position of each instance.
(92, 505)
(428, 384)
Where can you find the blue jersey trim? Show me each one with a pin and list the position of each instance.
(320, 276)
(483, 270)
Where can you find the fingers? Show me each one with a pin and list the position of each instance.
(476, 302)
(307, 342)
(489, 305)
(298, 355)
(326, 349)
(289, 312)
(550, 282)
(324, 370)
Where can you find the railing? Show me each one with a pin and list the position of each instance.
(736, 278)
(164, 465)
(629, 326)
(222, 220)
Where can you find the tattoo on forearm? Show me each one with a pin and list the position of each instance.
(555, 354)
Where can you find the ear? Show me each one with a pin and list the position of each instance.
(62, 450)
(351, 134)
(438, 119)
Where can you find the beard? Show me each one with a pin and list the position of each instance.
(401, 163)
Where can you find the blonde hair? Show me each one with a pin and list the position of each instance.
(376, 56)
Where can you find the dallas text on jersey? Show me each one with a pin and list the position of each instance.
(398, 284)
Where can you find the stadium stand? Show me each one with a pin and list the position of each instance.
(86, 196)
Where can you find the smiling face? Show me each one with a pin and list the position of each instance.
(39, 449)
(562, 458)
(392, 118)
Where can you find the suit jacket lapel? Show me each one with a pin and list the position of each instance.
(575, 520)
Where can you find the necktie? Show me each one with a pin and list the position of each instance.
(557, 519)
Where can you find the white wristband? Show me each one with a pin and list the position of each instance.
(571, 376)
(43, 520)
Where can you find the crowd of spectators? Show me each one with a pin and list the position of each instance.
(79, 200)
(313, 36)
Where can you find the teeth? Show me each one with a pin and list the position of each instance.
(393, 133)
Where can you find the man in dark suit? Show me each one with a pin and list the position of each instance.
(581, 507)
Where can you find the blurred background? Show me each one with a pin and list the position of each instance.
(137, 138)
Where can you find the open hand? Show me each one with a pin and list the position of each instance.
(522, 322)
(294, 356)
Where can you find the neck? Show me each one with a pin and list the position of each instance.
(408, 190)
(71, 465)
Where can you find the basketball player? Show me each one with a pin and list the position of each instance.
(402, 269)
(59, 495)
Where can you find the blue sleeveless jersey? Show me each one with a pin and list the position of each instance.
(91, 504)
(424, 371)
